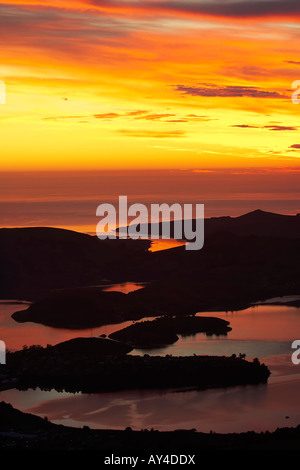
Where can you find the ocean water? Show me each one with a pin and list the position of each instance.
(70, 199)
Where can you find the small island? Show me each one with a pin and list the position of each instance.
(163, 331)
(83, 307)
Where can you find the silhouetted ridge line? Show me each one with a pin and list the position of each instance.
(257, 222)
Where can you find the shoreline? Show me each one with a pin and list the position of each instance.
(19, 430)
(41, 312)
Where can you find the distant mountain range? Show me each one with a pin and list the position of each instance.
(34, 261)
(257, 222)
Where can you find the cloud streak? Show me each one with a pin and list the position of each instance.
(270, 127)
(109, 13)
(217, 8)
(136, 115)
(106, 116)
(215, 91)
(145, 133)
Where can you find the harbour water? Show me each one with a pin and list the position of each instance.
(263, 331)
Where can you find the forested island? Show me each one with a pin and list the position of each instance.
(164, 330)
(92, 365)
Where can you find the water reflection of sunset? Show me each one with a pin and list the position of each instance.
(264, 323)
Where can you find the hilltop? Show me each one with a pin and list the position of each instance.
(257, 222)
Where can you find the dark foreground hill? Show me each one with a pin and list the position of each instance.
(34, 261)
(24, 431)
(93, 347)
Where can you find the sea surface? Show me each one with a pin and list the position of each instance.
(70, 199)
(264, 331)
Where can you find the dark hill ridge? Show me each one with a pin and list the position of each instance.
(35, 261)
(257, 222)
(91, 346)
(229, 273)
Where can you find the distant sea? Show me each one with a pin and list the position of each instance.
(69, 200)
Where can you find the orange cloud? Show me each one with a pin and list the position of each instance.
(110, 68)
(217, 8)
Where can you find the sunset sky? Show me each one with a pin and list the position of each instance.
(149, 84)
